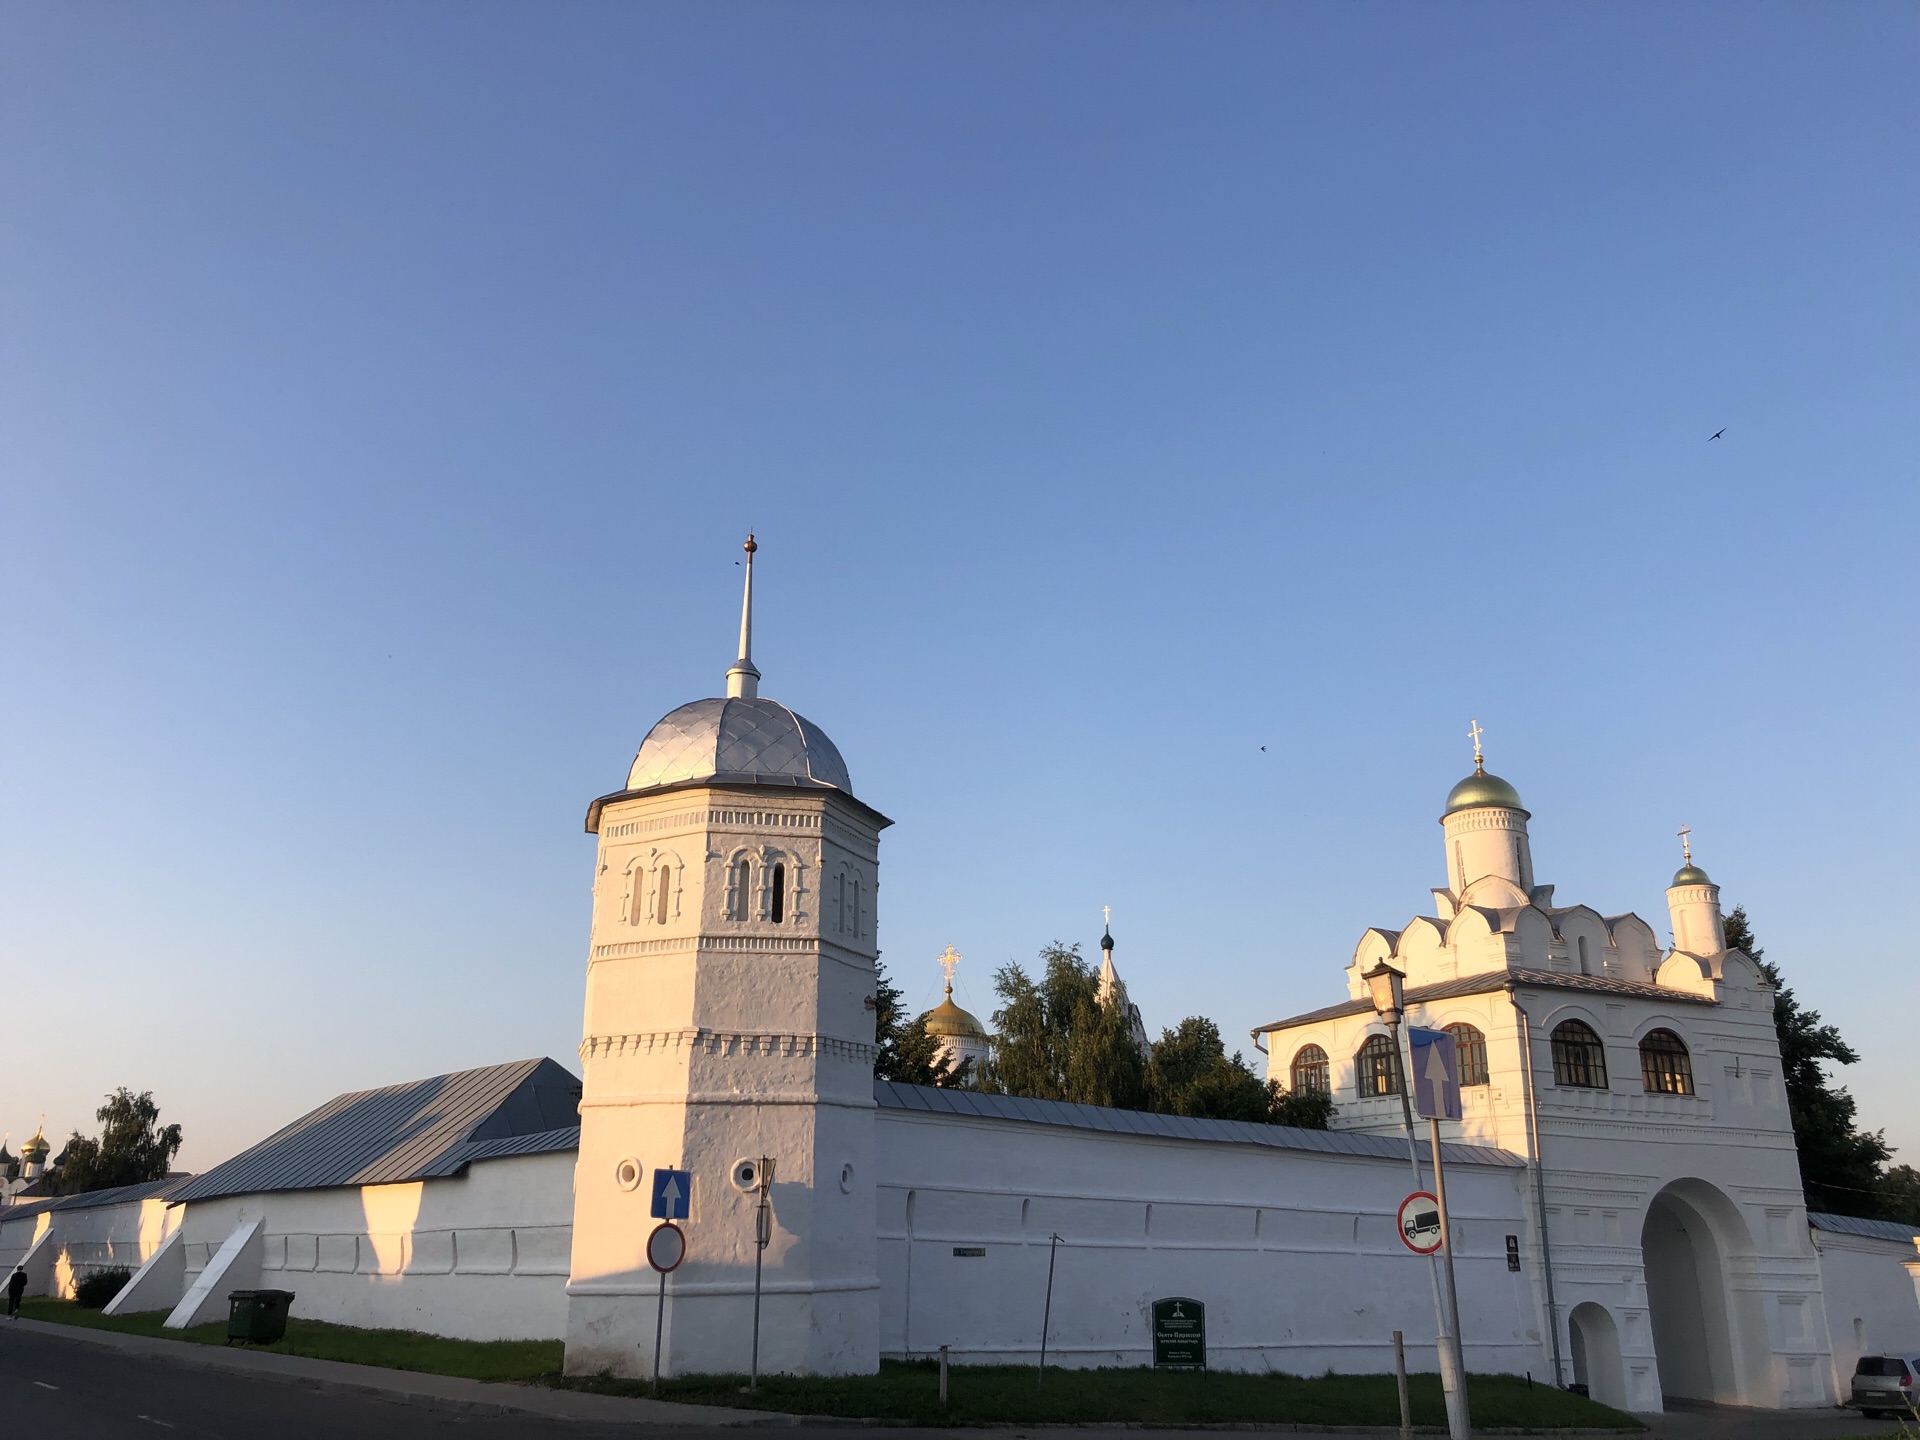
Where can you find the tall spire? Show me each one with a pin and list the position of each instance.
(743, 681)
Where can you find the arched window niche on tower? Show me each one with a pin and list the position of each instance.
(739, 888)
(1579, 1059)
(1471, 1048)
(1311, 1071)
(663, 894)
(1665, 1066)
(777, 893)
(1376, 1068)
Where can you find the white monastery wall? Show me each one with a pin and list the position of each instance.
(481, 1257)
(84, 1240)
(1872, 1302)
(1294, 1253)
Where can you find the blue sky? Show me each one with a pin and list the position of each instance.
(1115, 388)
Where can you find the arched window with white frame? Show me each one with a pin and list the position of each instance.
(1470, 1049)
(1376, 1069)
(1579, 1058)
(1311, 1070)
(1666, 1068)
(663, 894)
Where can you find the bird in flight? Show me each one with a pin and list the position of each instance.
(1263, 749)
(1715, 436)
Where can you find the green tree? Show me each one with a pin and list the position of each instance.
(906, 1052)
(1302, 1109)
(133, 1146)
(1841, 1167)
(1192, 1074)
(1900, 1194)
(1056, 1041)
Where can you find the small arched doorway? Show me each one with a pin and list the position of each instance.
(1700, 1329)
(1596, 1354)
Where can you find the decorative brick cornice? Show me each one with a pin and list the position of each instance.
(702, 1041)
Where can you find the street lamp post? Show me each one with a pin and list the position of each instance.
(1387, 987)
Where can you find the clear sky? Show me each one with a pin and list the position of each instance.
(1116, 389)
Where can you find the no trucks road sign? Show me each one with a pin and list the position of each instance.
(1420, 1222)
(666, 1247)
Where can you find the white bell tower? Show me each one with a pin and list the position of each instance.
(729, 1016)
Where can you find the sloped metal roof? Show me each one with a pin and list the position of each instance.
(415, 1131)
(93, 1199)
(935, 1100)
(1872, 1229)
(1499, 980)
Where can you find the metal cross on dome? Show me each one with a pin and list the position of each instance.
(947, 962)
(1474, 732)
(1686, 843)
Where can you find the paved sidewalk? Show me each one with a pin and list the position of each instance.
(445, 1392)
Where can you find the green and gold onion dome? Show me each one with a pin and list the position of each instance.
(1482, 791)
(948, 1020)
(1689, 874)
(36, 1148)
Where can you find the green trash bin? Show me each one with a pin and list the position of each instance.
(258, 1317)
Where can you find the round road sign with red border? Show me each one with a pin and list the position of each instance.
(666, 1247)
(1419, 1222)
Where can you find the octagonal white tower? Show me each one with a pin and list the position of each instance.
(730, 1015)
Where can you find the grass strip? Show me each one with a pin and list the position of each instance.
(317, 1340)
(1010, 1394)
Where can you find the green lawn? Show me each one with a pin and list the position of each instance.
(910, 1392)
(1009, 1394)
(393, 1349)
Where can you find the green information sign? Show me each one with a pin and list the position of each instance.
(1179, 1334)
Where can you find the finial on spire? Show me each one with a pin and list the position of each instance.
(743, 681)
(947, 963)
(1686, 843)
(1474, 733)
(1106, 938)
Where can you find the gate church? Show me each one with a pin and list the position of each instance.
(1625, 1137)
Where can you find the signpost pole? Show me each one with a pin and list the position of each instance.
(1400, 1383)
(1452, 1382)
(762, 1236)
(1446, 1249)
(1046, 1315)
(659, 1327)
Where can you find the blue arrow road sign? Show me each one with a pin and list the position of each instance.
(1436, 1074)
(672, 1189)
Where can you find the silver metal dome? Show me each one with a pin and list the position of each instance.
(747, 740)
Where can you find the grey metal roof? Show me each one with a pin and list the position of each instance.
(935, 1100)
(1873, 1229)
(737, 737)
(416, 1131)
(93, 1199)
(1499, 980)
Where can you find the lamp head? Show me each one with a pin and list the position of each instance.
(1388, 987)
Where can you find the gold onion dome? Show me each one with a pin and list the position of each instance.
(1480, 791)
(948, 1019)
(1689, 874)
(36, 1148)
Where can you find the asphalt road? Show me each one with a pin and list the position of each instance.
(51, 1386)
(60, 1388)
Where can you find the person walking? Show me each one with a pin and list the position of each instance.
(16, 1287)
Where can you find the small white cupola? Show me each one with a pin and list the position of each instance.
(1693, 904)
(1486, 829)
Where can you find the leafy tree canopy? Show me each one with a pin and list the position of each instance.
(1056, 1041)
(133, 1147)
(1842, 1168)
(907, 1052)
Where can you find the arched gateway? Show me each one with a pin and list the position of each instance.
(1708, 1332)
